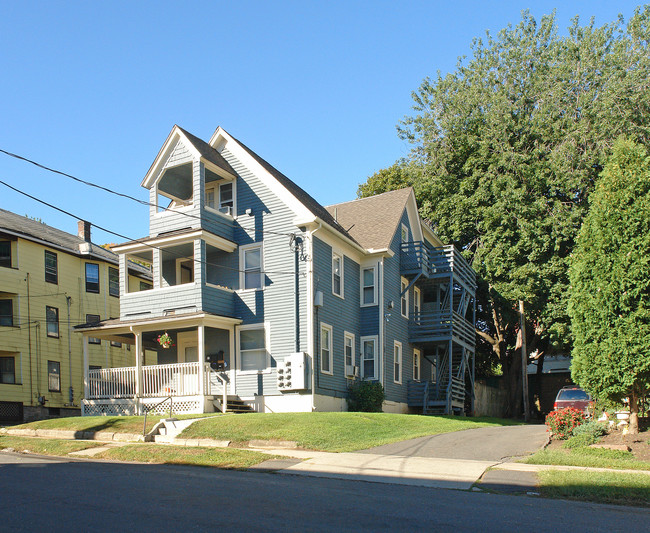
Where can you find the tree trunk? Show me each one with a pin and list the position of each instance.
(633, 428)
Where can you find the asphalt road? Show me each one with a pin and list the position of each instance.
(43, 494)
(481, 444)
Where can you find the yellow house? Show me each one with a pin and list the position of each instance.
(50, 281)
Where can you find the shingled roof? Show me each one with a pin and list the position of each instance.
(300, 194)
(208, 152)
(34, 230)
(372, 221)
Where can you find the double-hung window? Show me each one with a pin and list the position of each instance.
(404, 300)
(226, 199)
(7, 370)
(417, 303)
(397, 362)
(6, 312)
(251, 262)
(93, 319)
(5, 254)
(52, 320)
(369, 357)
(348, 350)
(253, 353)
(54, 376)
(368, 286)
(92, 277)
(51, 267)
(113, 281)
(337, 274)
(326, 362)
(416, 364)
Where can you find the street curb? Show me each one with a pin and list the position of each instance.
(66, 434)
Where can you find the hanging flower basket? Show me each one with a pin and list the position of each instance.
(165, 340)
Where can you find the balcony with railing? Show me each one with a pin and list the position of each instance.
(438, 326)
(416, 258)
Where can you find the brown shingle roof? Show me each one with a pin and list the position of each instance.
(372, 221)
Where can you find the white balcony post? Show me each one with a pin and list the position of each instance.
(86, 384)
(138, 364)
(201, 342)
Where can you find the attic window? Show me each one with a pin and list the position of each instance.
(175, 187)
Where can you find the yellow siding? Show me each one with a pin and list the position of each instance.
(31, 364)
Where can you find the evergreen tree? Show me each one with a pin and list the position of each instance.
(610, 283)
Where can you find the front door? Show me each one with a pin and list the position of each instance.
(188, 347)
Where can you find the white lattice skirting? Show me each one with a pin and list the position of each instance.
(129, 407)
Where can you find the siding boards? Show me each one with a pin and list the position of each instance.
(342, 314)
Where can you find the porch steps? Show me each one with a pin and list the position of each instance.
(168, 429)
(237, 405)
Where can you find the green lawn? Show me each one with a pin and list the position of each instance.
(179, 455)
(591, 457)
(602, 487)
(45, 446)
(334, 432)
(114, 424)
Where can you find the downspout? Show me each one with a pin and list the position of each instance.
(310, 314)
(71, 390)
(380, 280)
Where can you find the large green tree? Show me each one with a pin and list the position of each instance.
(610, 283)
(506, 151)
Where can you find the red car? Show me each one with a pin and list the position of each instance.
(573, 397)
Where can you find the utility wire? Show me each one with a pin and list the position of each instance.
(140, 240)
(142, 202)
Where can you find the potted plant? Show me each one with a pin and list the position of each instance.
(165, 340)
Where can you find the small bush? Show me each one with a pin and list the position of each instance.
(580, 441)
(561, 423)
(593, 429)
(366, 396)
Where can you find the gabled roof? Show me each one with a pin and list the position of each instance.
(301, 195)
(33, 230)
(372, 221)
(208, 152)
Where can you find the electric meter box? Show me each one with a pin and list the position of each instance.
(291, 372)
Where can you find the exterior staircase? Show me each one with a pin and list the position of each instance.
(235, 405)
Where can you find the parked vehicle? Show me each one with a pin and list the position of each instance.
(573, 397)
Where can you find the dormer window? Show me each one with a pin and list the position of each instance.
(219, 193)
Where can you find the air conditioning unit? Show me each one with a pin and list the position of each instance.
(355, 371)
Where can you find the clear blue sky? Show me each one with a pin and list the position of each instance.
(315, 88)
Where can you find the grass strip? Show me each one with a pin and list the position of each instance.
(114, 424)
(590, 457)
(600, 487)
(45, 446)
(179, 455)
(334, 432)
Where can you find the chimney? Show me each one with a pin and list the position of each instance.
(83, 230)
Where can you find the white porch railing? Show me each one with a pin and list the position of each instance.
(111, 383)
(158, 381)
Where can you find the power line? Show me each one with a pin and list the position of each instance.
(123, 195)
(140, 240)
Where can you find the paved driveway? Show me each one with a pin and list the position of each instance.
(482, 444)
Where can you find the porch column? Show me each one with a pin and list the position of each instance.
(138, 364)
(201, 334)
(85, 348)
(233, 359)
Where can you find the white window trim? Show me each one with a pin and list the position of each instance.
(404, 281)
(349, 369)
(417, 298)
(242, 273)
(218, 197)
(374, 295)
(180, 260)
(405, 229)
(399, 360)
(362, 341)
(331, 346)
(417, 356)
(267, 343)
(338, 254)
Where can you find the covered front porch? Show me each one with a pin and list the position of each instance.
(193, 370)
